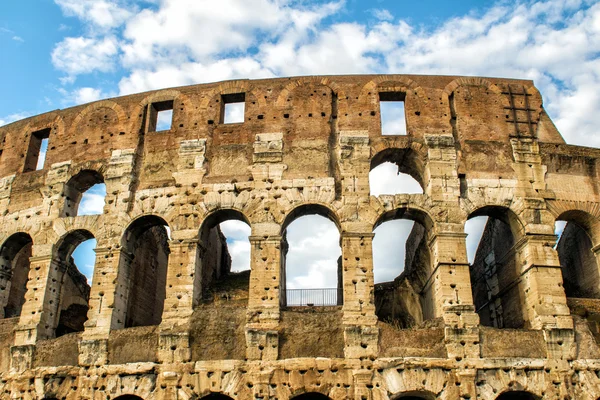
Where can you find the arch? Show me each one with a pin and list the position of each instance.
(518, 395)
(388, 83)
(121, 115)
(74, 290)
(14, 272)
(305, 292)
(494, 272)
(76, 187)
(471, 81)
(578, 260)
(143, 271)
(411, 213)
(310, 209)
(128, 397)
(214, 261)
(408, 299)
(408, 161)
(216, 396)
(415, 395)
(319, 80)
(311, 396)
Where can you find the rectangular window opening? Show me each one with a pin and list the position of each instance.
(233, 107)
(161, 116)
(36, 153)
(391, 111)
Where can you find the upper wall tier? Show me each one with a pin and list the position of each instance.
(299, 119)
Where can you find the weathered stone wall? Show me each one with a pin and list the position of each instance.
(478, 147)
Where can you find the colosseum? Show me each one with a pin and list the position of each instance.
(164, 317)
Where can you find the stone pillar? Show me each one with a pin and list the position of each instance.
(93, 347)
(361, 334)
(545, 303)
(182, 294)
(39, 314)
(262, 337)
(449, 290)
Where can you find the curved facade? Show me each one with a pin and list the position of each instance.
(157, 322)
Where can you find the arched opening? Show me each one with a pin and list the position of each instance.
(144, 261)
(402, 267)
(84, 194)
(311, 263)
(396, 171)
(495, 275)
(73, 291)
(517, 395)
(128, 397)
(224, 253)
(216, 396)
(311, 396)
(416, 395)
(14, 273)
(579, 263)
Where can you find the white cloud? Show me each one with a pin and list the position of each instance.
(314, 249)
(18, 39)
(382, 14)
(389, 249)
(92, 201)
(101, 13)
(385, 179)
(238, 243)
(80, 55)
(13, 117)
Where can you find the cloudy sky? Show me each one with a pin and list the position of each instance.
(65, 52)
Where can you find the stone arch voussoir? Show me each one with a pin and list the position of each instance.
(391, 83)
(320, 80)
(121, 115)
(471, 81)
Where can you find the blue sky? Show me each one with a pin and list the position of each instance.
(60, 53)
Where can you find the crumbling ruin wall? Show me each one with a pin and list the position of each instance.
(167, 320)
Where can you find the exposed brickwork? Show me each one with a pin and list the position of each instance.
(478, 146)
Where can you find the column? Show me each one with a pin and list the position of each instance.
(262, 337)
(182, 294)
(449, 290)
(106, 304)
(361, 334)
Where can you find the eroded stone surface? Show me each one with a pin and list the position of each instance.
(166, 318)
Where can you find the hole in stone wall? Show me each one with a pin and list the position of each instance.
(75, 260)
(396, 171)
(164, 120)
(92, 200)
(14, 272)
(401, 266)
(161, 116)
(311, 259)
(233, 108)
(492, 233)
(392, 113)
(579, 264)
(385, 179)
(224, 265)
(36, 152)
(517, 395)
(311, 396)
(144, 260)
(84, 194)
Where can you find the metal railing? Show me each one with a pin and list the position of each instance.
(313, 297)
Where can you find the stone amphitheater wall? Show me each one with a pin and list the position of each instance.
(160, 322)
